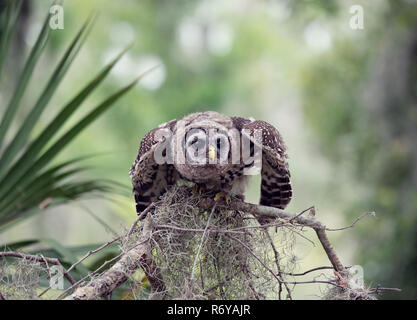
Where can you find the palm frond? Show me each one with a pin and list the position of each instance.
(8, 26)
(25, 76)
(26, 128)
(28, 182)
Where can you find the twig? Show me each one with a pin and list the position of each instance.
(306, 272)
(265, 211)
(354, 222)
(302, 212)
(40, 259)
(91, 252)
(315, 281)
(256, 257)
(165, 226)
(140, 216)
(75, 285)
(378, 289)
(140, 256)
(201, 242)
(331, 253)
(276, 254)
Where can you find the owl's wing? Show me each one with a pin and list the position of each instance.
(276, 188)
(149, 179)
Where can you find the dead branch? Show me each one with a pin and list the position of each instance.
(264, 211)
(40, 259)
(372, 214)
(140, 256)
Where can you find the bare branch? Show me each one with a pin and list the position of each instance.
(264, 211)
(201, 243)
(354, 222)
(40, 259)
(140, 256)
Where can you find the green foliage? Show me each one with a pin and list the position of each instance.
(358, 114)
(8, 22)
(27, 181)
(360, 99)
(67, 255)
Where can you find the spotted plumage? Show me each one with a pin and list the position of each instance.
(171, 153)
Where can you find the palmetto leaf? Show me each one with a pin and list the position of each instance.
(14, 246)
(67, 255)
(8, 26)
(27, 182)
(50, 195)
(16, 195)
(25, 161)
(18, 200)
(21, 179)
(25, 75)
(53, 83)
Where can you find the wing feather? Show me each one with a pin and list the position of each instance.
(276, 190)
(150, 180)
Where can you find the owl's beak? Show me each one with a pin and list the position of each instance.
(212, 153)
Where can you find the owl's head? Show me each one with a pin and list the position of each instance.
(202, 150)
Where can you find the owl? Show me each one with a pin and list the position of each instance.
(215, 152)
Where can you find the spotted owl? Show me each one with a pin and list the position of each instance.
(215, 152)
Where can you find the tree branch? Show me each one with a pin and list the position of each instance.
(40, 259)
(140, 256)
(264, 211)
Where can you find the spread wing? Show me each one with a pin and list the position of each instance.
(276, 188)
(149, 179)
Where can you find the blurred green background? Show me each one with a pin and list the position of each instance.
(345, 101)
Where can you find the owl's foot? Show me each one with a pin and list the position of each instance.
(201, 190)
(223, 195)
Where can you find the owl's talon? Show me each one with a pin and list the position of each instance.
(201, 190)
(223, 195)
(194, 190)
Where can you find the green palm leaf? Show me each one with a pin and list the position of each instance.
(27, 181)
(27, 159)
(25, 75)
(53, 83)
(8, 27)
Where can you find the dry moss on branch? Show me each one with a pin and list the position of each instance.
(189, 248)
(234, 257)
